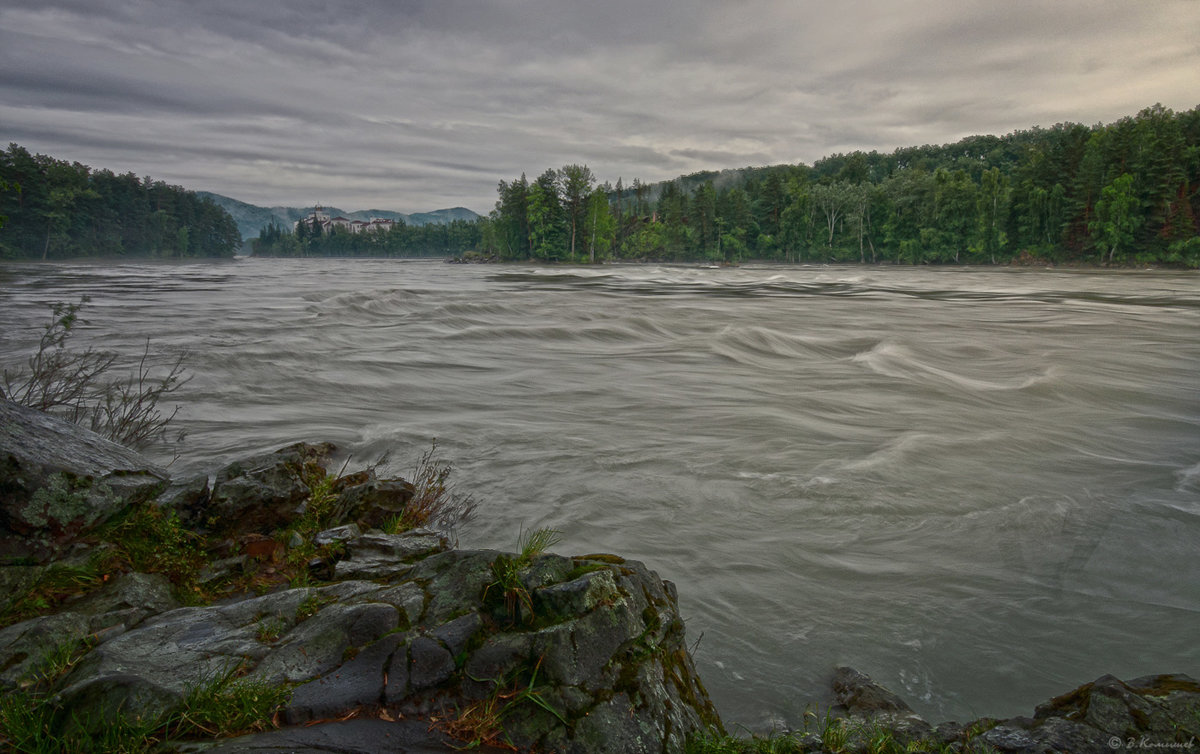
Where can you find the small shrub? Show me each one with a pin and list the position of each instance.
(270, 629)
(75, 385)
(506, 577)
(309, 606)
(435, 501)
(835, 736)
(322, 495)
(395, 525)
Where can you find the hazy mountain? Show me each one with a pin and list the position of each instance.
(251, 218)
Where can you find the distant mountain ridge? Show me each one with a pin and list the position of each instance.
(251, 218)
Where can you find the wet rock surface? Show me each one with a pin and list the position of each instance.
(59, 481)
(363, 736)
(265, 492)
(607, 664)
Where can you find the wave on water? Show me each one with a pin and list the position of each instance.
(835, 282)
(895, 360)
(1189, 480)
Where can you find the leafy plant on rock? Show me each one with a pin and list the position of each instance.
(146, 538)
(506, 571)
(50, 587)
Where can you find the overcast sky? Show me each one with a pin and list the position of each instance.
(414, 105)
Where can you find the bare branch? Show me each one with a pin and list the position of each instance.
(72, 385)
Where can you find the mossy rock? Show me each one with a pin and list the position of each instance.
(59, 481)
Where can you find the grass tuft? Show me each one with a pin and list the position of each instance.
(534, 542)
(151, 539)
(225, 705)
(222, 705)
(506, 572)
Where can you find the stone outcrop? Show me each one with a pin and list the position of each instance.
(58, 481)
(270, 491)
(1159, 712)
(599, 664)
(536, 650)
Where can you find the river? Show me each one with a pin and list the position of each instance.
(980, 486)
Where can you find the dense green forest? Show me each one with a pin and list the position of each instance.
(401, 240)
(1124, 193)
(1118, 194)
(58, 209)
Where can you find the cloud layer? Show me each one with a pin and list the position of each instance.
(420, 104)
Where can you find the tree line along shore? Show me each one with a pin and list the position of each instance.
(1120, 194)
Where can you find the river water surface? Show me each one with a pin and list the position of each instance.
(980, 486)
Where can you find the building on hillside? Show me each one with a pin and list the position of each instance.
(320, 217)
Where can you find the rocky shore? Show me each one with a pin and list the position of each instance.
(266, 607)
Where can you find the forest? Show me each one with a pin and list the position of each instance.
(60, 210)
(402, 240)
(1122, 194)
(1126, 193)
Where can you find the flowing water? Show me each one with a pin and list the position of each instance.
(980, 486)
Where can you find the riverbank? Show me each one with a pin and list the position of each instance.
(271, 602)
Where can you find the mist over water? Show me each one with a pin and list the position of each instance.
(980, 486)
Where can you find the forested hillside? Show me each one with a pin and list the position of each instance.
(252, 219)
(1123, 193)
(58, 209)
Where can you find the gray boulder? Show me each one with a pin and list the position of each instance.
(370, 501)
(1161, 711)
(25, 646)
(861, 698)
(59, 481)
(265, 492)
(127, 600)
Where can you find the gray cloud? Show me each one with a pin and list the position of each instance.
(420, 104)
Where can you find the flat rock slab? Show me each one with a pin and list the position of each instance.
(366, 736)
